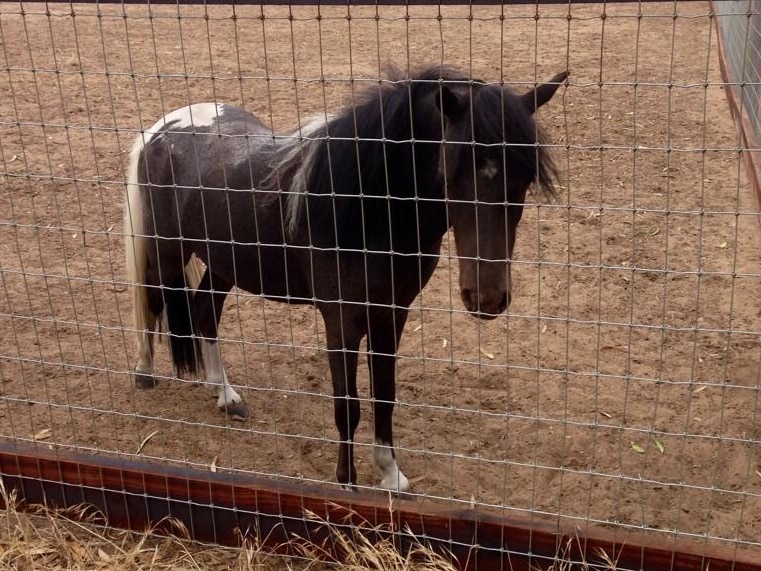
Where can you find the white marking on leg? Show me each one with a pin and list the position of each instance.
(145, 356)
(193, 116)
(393, 478)
(216, 376)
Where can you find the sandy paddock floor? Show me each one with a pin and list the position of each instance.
(622, 386)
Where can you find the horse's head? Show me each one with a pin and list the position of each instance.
(492, 154)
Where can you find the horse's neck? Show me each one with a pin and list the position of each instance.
(433, 224)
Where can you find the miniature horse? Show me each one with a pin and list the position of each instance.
(346, 212)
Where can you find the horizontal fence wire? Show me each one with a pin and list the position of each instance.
(619, 388)
(359, 2)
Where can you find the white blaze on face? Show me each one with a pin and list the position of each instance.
(193, 116)
(393, 478)
(490, 170)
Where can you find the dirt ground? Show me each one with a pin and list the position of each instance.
(622, 387)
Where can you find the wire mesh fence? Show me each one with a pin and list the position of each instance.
(740, 33)
(620, 387)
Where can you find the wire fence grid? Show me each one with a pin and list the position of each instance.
(621, 386)
(740, 26)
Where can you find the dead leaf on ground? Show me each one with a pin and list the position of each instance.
(43, 434)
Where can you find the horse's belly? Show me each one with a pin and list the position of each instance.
(259, 269)
(383, 280)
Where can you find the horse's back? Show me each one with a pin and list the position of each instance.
(205, 167)
(206, 143)
(192, 153)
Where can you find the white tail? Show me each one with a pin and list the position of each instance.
(143, 320)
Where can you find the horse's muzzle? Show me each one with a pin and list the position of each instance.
(486, 305)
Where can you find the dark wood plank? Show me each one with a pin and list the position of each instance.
(215, 506)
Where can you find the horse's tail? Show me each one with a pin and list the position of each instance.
(135, 246)
(175, 316)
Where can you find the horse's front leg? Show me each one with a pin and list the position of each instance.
(383, 342)
(343, 347)
(207, 304)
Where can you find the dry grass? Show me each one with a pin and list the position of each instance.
(365, 547)
(53, 540)
(46, 540)
(564, 561)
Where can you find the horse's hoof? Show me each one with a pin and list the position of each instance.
(396, 483)
(236, 410)
(349, 488)
(143, 381)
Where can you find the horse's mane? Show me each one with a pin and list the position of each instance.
(292, 161)
(374, 147)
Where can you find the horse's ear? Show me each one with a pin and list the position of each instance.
(453, 100)
(543, 92)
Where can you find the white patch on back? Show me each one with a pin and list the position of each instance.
(193, 116)
(490, 170)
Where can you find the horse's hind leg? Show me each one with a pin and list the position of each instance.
(207, 304)
(148, 301)
(143, 373)
(383, 340)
